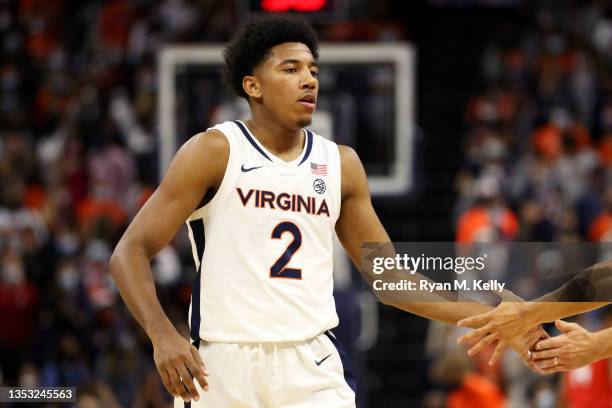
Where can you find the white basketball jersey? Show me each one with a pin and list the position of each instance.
(265, 270)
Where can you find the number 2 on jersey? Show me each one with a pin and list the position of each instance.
(279, 269)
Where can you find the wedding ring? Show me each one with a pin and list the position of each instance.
(556, 361)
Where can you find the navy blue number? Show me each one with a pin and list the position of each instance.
(279, 270)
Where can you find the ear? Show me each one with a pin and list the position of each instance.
(251, 86)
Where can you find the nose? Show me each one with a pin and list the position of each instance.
(309, 81)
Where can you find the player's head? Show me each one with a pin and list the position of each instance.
(272, 63)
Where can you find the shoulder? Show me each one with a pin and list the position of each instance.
(211, 141)
(348, 157)
(210, 147)
(201, 160)
(354, 179)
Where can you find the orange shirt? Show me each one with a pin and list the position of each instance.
(476, 392)
(477, 219)
(589, 386)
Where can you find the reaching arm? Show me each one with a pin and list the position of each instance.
(358, 224)
(179, 193)
(588, 290)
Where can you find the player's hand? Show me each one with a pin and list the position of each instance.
(575, 348)
(524, 347)
(178, 363)
(502, 324)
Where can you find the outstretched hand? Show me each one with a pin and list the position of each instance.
(178, 363)
(504, 324)
(575, 348)
(524, 346)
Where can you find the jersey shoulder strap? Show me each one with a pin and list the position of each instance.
(229, 130)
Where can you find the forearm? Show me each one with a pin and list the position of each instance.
(593, 284)
(448, 312)
(588, 290)
(442, 305)
(548, 311)
(130, 268)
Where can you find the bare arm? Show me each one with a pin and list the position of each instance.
(588, 290)
(358, 224)
(197, 168)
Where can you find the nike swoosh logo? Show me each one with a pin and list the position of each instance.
(247, 169)
(321, 361)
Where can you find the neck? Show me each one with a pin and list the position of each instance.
(276, 137)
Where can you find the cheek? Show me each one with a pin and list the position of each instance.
(280, 91)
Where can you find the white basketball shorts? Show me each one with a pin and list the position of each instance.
(306, 374)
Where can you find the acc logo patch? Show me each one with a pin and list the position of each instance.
(319, 186)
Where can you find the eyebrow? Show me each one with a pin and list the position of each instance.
(296, 61)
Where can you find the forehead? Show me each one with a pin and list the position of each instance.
(290, 51)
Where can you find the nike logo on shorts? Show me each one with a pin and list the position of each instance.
(321, 361)
(247, 169)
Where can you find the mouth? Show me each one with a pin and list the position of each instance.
(308, 101)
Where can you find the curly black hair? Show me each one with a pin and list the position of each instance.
(252, 44)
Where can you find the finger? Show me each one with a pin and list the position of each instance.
(534, 368)
(566, 326)
(543, 355)
(196, 371)
(188, 382)
(474, 335)
(178, 384)
(198, 358)
(499, 351)
(167, 383)
(175, 382)
(548, 363)
(482, 344)
(544, 332)
(550, 343)
(553, 370)
(475, 321)
(530, 343)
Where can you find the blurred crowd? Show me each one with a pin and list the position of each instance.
(78, 158)
(538, 144)
(537, 167)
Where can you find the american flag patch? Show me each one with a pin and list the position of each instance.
(318, 169)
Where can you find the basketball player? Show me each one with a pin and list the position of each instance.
(268, 196)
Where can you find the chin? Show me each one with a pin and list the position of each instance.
(305, 121)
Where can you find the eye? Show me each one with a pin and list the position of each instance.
(314, 73)
(291, 70)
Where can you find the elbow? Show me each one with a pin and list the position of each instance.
(119, 258)
(126, 256)
(115, 262)
(383, 297)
